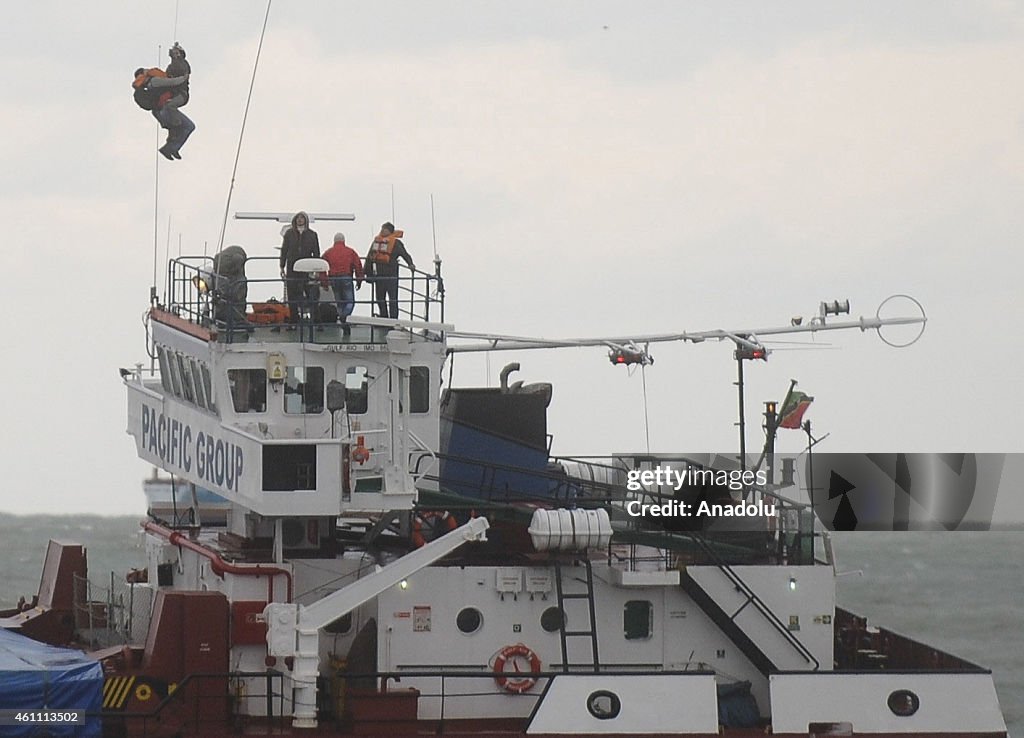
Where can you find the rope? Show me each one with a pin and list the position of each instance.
(433, 227)
(647, 424)
(156, 198)
(241, 133)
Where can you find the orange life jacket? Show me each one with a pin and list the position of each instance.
(380, 250)
(146, 97)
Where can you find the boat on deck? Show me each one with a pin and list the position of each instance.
(389, 561)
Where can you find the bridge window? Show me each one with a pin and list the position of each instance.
(304, 390)
(357, 393)
(197, 383)
(248, 390)
(165, 370)
(208, 387)
(638, 620)
(172, 366)
(419, 389)
(186, 379)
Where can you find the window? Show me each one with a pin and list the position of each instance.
(187, 391)
(165, 370)
(208, 387)
(903, 702)
(175, 377)
(248, 390)
(638, 620)
(197, 383)
(357, 394)
(172, 364)
(304, 390)
(419, 389)
(289, 467)
(469, 620)
(604, 705)
(552, 619)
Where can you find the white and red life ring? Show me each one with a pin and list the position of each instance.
(507, 668)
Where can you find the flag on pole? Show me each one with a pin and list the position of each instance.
(793, 409)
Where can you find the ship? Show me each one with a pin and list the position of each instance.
(387, 559)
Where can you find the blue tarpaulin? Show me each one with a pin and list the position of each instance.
(35, 676)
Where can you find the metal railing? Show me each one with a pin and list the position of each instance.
(752, 598)
(350, 700)
(203, 702)
(113, 615)
(225, 303)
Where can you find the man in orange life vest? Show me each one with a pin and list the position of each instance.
(382, 269)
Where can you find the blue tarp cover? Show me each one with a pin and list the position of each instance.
(35, 676)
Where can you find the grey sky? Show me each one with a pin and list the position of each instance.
(597, 168)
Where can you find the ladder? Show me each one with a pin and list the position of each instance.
(591, 633)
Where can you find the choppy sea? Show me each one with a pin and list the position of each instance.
(962, 592)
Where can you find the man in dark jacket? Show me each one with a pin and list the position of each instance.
(179, 126)
(300, 242)
(382, 269)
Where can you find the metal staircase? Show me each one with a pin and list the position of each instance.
(727, 622)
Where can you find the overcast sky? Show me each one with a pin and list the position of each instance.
(597, 168)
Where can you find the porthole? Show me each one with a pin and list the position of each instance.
(604, 705)
(552, 619)
(469, 620)
(903, 702)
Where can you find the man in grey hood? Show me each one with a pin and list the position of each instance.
(300, 242)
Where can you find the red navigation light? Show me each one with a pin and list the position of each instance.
(745, 352)
(628, 358)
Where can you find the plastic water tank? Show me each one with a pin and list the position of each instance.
(570, 530)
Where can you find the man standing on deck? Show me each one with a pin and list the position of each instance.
(300, 242)
(382, 269)
(344, 265)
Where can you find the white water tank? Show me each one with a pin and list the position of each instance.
(570, 530)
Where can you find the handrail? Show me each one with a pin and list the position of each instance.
(381, 679)
(221, 567)
(752, 597)
(181, 689)
(224, 305)
(421, 446)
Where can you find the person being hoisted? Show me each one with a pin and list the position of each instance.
(163, 93)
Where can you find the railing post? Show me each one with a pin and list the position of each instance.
(440, 725)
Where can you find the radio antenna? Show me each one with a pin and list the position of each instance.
(241, 133)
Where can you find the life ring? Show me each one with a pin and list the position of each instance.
(438, 521)
(507, 680)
